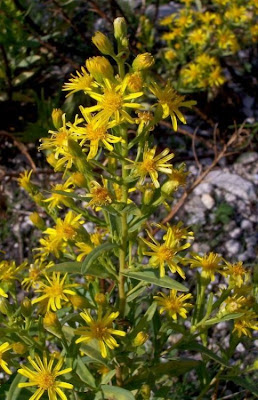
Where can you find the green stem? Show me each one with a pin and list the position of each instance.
(124, 233)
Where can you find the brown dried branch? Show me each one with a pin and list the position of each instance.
(21, 147)
(223, 153)
(97, 10)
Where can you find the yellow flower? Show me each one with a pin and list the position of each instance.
(204, 60)
(178, 177)
(112, 104)
(82, 81)
(244, 324)
(44, 377)
(198, 37)
(215, 77)
(184, 19)
(140, 339)
(66, 229)
(210, 263)
(51, 245)
(167, 20)
(145, 118)
(179, 232)
(143, 61)
(254, 32)
(135, 82)
(232, 304)
(24, 181)
(102, 42)
(170, 102)
(19, 348)
(89, 133)
(10, 271)
(55, 292)
(56, 199)
(207, 17)
(237, 14)
(2, 293)
(236, 273)
(100, 68)
(151, 164)
(227, 40)
(174, 305)
(3, 364)
(35, 272)
(58, 142)
(170, 55)
(84, 248)
(165, 253)
(99, 329)
(99, 195)
(57, 115)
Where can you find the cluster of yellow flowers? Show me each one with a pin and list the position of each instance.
(90, 273)
(197, 39)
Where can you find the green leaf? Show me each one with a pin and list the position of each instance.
(197, 347)
(227, 317)
(74, 267)
(152, 276)
(245, 382)
(84, 373)
(14, 391)
(107, 377)
(94, 255)
(116, 393)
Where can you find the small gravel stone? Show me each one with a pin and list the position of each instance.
(208, 201)
(230, 198)
(232, 246)
(240, 348)
(203, 188)
(235, 233)
(230, 226)
(246, 225)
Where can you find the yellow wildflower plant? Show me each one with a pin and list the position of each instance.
(101, 330)
(173, 305)
(44, 377)
(111, 280)
(54, 291)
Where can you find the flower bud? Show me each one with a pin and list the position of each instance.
(100, 299)
(143, 61)
(78, 179)
(37, 221)
(135, 82)
(140, 339)
(168, 188)
(19, 348)
(102, 42)
(78, 301)
(145, 391)
(4, 306)
(57, 118)
(39, 199)
(148, 195)
(120, 28)
(26, 308)
(100, 68)
(50, 320)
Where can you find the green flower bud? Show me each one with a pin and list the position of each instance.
(26, 308)
(104, 45)
(57, 118)
(143, 61)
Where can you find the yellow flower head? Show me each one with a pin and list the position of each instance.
(151, 165)
(100, 68)
(66, 229)
(232, 304)
(3, 364)
(191, 73)
(100, 329)
(177, 178)
(84, 250)
(198, 37)
(9, 271)
(170, 55)
(143, 61)
(82, 81)
(95, 135)
(135, 82)
(44, 377)
(113, 104)
(170, 102)
(24, 181)
(168, 20)
(99, 195)
(56, 199)
(237, 14)
(173, 305)
(244, 324)
(102, 42)
(51, 245)
(145, 119)
(209, 263)
(19, 348)
(236, 273)
(165, 253)
(227, 40)
(215, 77)
(54, 292)
(184, 19)
(35, 272)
